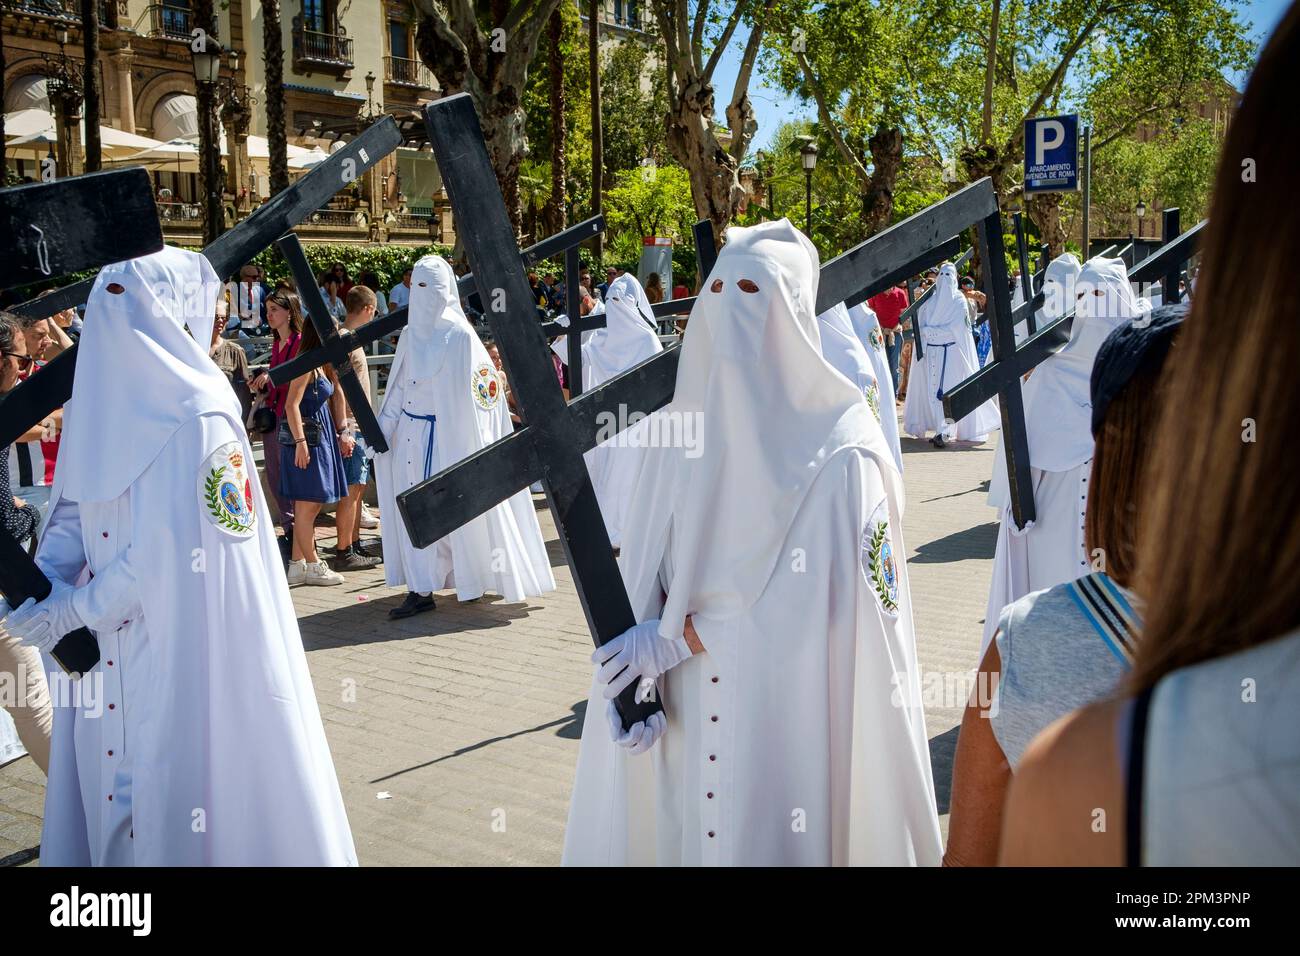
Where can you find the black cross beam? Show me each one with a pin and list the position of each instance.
(1026, 278)
(395, 321)
(913, 312)
(334, 346)
(42, 394)
(1003, 376)
(49, 230)
(549, 447)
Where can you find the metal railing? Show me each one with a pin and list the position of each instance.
(180, 212)
(404, 71)
(171, 21)
(334, 217)
(54, 9)
(314, 46)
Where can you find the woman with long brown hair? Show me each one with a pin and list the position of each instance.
(286, 329)
(1199, 762)
(311, 461)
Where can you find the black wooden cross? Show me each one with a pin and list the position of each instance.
(48, 230)
(1002, 376)
(93, 220)
(549, 447)
(42, 394)
(334, 347)
(337, 349)
(1026, 277)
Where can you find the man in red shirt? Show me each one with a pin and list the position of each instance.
(888, 306)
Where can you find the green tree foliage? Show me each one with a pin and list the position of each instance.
(648, 201)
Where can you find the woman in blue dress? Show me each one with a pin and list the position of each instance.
(311, 462)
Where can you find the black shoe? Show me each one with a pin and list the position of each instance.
(414, 604)
(938, 442)
(285, 544)
(370, 547)
(353, 560)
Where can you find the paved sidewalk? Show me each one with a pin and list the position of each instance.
(455, 733)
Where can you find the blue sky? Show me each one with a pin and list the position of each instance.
(774, 106)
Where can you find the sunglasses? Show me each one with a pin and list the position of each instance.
(24, 361)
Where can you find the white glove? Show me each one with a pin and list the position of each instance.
(643, 734)
(43, 625)
(5, 608)
(562, 321)
(637, 652)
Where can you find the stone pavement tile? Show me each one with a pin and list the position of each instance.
(468, 717)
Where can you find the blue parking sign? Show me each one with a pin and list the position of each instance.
(1052, 154)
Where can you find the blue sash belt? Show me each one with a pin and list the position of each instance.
(943, 369)
(428, 447)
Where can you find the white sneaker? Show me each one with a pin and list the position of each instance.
(368, 520)
(296, 571)
(320, 575)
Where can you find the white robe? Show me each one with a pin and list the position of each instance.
(867, 327)
(950, 358)
(501, 550)
(831, 763)
(626, 340)
(198, 740)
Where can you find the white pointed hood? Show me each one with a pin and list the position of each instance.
(1058, 289)
(433, 313)
(140, 372)
(629, 334)
(771, 413)
(1058, 404)
(944, 315)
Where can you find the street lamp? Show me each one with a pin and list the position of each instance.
(1141, 211)
(207, 71)
(370, 90)
(808, 157)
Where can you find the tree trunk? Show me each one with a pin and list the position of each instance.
(886, 147)
(273, 58)
(986, 129)
(555, 216)
(90, 50)
(715, 187)
(1045, 210)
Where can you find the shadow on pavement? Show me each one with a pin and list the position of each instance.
(977, 543)
(570, 728)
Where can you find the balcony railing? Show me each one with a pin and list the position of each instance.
(403, 71)
(69, 10)
(313, 47)
(166, 20)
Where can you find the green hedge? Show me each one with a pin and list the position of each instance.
(386, 261)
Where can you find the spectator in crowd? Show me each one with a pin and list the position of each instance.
(334, 305)
(611, 274)
(32, 456)
(888, 306)
(248, 302)
(340, 272)
(494, 353)
(311, 458)
(1197, 761)
(285, 319)
(654, 288)
(231, 359)
(349, 551)
(64, 329)
(680, 291)
(1069, 645)
(584, 279)
(371, 281)
(400, 295)
(28, 703)
(554, 292)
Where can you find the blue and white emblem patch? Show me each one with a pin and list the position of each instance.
(878, 561)
(226, 491)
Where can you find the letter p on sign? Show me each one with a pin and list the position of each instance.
(1047, 135)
